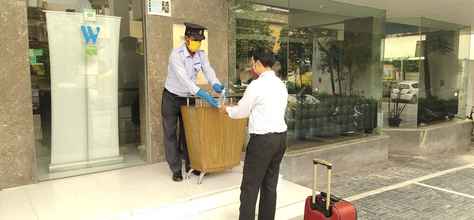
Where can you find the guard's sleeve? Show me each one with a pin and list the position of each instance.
(207, 69)
(176, 66)
(245, 105)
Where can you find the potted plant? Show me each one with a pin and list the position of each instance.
(395, 111)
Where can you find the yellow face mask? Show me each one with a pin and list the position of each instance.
(194, 45)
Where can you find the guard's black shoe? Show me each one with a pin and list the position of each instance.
(177, 177)
(195, 172)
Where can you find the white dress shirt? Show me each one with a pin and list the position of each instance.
(264, 102)
(183, 69)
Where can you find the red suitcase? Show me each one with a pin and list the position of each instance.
(324, 206)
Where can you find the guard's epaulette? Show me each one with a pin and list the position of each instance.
(180, 51)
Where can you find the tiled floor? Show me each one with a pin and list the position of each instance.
(462, 181)
(144, 192)
(397, 169)
(416, 202)
(437, 187)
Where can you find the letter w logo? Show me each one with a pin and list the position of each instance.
(89, 34)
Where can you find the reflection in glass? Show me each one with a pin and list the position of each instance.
(401, 72)
(333, 79)
(256, 25)
(329, 56)
(442, 79)
(423, 71)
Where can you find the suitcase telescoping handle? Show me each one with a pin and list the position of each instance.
(328, 165)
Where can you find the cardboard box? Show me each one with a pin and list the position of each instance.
(136, 29)
(126, 124)
(125, 112)
(128, 138)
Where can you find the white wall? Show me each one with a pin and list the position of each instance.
(472, 48)
(400, 47)
(470, 95)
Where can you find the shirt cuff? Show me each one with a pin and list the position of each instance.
(195, 89)
(216, 82)
(229, 111)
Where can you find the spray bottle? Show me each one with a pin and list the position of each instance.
(222, 98)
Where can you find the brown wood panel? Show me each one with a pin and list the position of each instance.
(214, 140)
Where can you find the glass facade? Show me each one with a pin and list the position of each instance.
(348, 70)
(402, 66)
(87, 70)
(329, 54)
(424, 78)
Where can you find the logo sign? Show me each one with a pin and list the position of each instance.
(34, 54)
(90, 37)
(90, 15)
(159, 7)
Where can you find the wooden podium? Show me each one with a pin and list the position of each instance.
(215, 141)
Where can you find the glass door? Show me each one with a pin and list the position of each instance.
(87, 67)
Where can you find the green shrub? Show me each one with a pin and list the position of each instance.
(434, 109)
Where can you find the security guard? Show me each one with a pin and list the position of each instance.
(185, 62)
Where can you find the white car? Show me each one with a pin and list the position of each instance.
(406, 91)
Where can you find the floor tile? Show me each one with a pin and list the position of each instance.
(15, 204)
(415, 202)
(461, 181)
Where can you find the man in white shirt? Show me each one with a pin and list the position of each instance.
(264, 102)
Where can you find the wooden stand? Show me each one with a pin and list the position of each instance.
(214, 140)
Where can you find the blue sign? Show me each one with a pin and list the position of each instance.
(91, 39)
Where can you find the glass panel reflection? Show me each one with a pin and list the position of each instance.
(442, 79)
(401, 72)
(329, 55)
(334, 79)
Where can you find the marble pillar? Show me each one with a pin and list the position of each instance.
(16, 117)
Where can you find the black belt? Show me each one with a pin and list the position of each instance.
(176, 96)
(271, 133)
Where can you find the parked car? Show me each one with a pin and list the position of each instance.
(405, 91)
(388, 85)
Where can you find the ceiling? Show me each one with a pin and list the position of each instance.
(453, 11)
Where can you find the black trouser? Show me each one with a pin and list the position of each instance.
(45, 112)
(175, 146)
(261, 168)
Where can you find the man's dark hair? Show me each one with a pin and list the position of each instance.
(264, 55)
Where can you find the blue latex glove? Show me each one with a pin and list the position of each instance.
(217, 87)
(205, 95)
